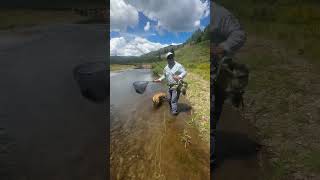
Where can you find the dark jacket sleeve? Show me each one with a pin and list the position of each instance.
(236, 37)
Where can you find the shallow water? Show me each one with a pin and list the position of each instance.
(146, 143)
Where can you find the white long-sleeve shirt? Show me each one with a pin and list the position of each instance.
(168, 73)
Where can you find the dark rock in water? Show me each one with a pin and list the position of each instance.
(140, 86)
(92, 80)
(300, 51)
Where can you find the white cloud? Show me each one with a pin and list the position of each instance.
(147, 26)
(122, 46)
(176, 16)
(122, 15)
(175, 44)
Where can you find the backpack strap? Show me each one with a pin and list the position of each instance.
(220, 65)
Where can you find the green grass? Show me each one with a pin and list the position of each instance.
(279, 170)
(16, 18)
(295, 37)
(294, 23)
(281, 167)
(282, 90)
(312, 161)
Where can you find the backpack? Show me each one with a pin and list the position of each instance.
(233, 78)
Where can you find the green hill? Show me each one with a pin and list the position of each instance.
(197, 36)
(194, 54)
(159, 53)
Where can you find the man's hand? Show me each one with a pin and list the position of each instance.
(176, 78)
(157, 80)
(218, 51)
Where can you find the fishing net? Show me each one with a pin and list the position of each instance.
(140, 86)
(92, 80)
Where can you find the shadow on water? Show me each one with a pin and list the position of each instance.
(183, 107)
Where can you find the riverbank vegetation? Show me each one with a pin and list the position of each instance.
(282, 100)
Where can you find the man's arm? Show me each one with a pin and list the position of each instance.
(183, 72)
(160, 78)
(236, 36)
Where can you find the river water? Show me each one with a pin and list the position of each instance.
(148, 143)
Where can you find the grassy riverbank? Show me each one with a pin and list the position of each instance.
(282, 100)
(195, 58)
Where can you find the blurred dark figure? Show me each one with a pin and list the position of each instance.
(227, 36)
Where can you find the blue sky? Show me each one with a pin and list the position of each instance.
(169, 22)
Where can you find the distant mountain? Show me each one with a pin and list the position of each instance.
(131, 59)
(163, 51)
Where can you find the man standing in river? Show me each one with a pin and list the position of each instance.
(227, 37)
(174, 73)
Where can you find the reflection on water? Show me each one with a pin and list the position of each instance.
(149, 143)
